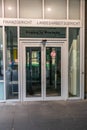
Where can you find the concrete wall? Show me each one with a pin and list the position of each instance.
(86, 47)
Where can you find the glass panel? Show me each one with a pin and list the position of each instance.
(11, 63)
(55, 9)
(10, 8)
(74, 62)
(1, 91)
(0, 8)
(33, 71)
(1, 55)
(31, 9)
(74, 9)
(42, 32)
(53, 71)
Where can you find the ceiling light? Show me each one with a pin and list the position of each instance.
(49, 9)
(9, 8)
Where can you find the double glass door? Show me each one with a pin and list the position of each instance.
(42, 76)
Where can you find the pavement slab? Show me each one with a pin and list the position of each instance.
(46, 115)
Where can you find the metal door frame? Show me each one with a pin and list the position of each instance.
(64, 67)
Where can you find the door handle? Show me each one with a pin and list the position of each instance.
(82, 72)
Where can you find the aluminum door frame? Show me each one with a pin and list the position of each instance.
(64, 68)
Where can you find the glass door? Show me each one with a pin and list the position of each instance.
(33, 71)
(42, 76)
(53, 71)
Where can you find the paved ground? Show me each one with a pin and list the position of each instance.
(52, 115)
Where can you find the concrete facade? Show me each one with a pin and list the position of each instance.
(86, 48)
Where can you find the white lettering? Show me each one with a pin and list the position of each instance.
(41, 22)
(17, 22)
(57, 23)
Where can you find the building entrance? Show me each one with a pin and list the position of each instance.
(42, 70)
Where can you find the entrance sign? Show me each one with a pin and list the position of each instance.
(39, 22)
(42, 32)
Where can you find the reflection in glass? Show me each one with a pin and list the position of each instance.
(11, 63)
(74, 62)
(0, 8)
(53, 71)
(1, 90)
(33, 72)
(55, 9)
(74, 9)
(30, 9)
(10, 8)
(1, 55)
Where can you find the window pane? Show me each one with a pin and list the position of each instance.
(10, 8)
(11, 63)
(1, 55)
(2, 91)
(55, 9)
(30, 8)
(74, 9)
(74, 62)
(0, 8)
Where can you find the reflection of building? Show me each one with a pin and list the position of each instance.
(30, 32)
